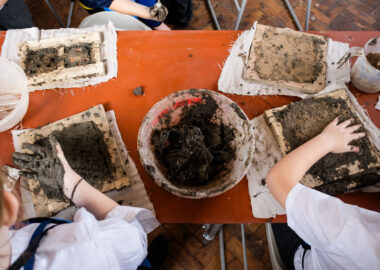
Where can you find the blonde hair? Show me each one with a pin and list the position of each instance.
(3, 179)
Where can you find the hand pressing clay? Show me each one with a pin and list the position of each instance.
(42, 165)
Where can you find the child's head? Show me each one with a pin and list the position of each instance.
(9, 204)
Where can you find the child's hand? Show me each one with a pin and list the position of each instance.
(70, 177)
(338, 136)
(158, 12)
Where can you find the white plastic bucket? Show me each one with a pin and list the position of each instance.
(364, 76)
(13, 81)
(119, 20)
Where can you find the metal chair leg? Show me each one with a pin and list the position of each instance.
(54, 13)
(214, 18)
(241, 10)
(308, 15)
(244, 247)
(72, 3)
(294, 16)
(221, 249)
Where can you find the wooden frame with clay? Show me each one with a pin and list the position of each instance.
(309, 180)
(62, 74)
(287, 58)
(46, 207)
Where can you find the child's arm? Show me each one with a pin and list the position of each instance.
(85, 195)
(158, 12)
(289, 171)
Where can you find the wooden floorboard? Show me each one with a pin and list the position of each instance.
(187, 251)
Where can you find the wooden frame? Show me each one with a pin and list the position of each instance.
(47, 207)
(287, 58)
(62, 73)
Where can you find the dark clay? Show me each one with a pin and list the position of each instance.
(195, 151)
(41, 61)
(47, 59)
(305, 119)
(374, 59)
(138, 91)
(343, 185)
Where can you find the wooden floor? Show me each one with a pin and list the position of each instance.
(187, 251)
(186, 248)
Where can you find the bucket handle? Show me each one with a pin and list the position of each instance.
(353, 51)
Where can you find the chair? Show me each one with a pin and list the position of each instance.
(119, 20)
(210, 230)
(275, 258)
(295, 18)
(239, 7)
(71, 8)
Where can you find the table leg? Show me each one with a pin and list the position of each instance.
(210, 231)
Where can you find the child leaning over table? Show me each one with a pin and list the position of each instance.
(103, 235)
(335, 235)
(148, 11)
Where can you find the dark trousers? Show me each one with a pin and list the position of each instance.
(287, 243)
(15, 15)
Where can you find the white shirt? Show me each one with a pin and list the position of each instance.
(117, 242)
(341, 236)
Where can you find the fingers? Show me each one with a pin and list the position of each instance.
(22, 156)
(355, 136)
(335, 121)
(29, 175)
(346, 123)
(353, 128)
(57, 150)
(22, 164)
(36, 149)
(352, 148)
(54, 144)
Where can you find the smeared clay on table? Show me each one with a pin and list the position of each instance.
(195, 150)
(90, 149)
(296, 123)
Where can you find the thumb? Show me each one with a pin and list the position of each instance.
(57, 151)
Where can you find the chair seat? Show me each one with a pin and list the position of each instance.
(119, 20)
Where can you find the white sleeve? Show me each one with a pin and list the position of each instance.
(142, 215)
(328, 224)
(120, 236)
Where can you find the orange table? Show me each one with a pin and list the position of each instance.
(164, 62)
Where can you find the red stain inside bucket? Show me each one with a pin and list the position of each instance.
(176, 105)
